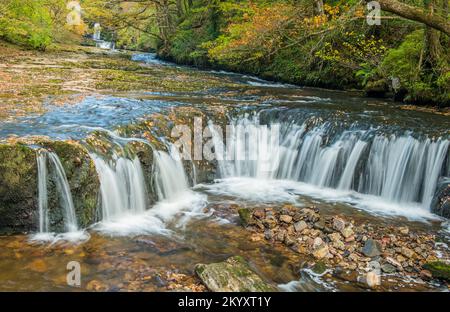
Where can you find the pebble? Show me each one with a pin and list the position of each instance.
(408, 253)
(300, 226)
(338, 224)
(372, 248)
(347, 232)
(286, 218)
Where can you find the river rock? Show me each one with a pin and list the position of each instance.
(286, 218)
(388, 268)
(232, 275)
(372, 248)
(373, 279)
(95, 285)
(440, 204)
(347, 232)
(270, 222)
(300, 226)
(338, 224)
(438, 269)
(320, 251)
(408, 253)
(246, 216)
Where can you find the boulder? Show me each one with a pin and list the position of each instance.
(440, 204)
(372, 248)
(231, 275)
(246, 216)
(18, 185)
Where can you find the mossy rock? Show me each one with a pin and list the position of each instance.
(232, 275)
(438, 269)
(18, 188)
(83, 180)
(245, 215)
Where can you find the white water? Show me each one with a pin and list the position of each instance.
(72, 232)
(125, 201)
(97, 32)
(42, 191)
(70, 219)
(172, 186)
(102, 44)
(384, 173)
(122, 186)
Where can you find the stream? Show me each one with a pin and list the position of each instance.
(361, 157)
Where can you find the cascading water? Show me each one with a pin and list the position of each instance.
(122, 186)
(398, 169)
(102, 44)
(172, 186)
(97, 32)
(125, 199)
(65, 194)
(42, 191)
(170, 176)
(63, 190)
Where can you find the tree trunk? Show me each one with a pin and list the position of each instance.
(433, 47)
(318, 7)
(412, 13)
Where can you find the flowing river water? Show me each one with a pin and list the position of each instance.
(361, 157)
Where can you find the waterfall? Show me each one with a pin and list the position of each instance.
(42, 191)
(102, 44)
(63, 188)
(175, 198)
(399, 169)
(97, 32)
(170, 176)
(122, 186)
(349, 171)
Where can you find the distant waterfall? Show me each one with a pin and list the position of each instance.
(63, 188)
(396, 168)
(97, 32)
(122, 186)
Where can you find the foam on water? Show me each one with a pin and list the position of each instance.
(75, 237)
(282, 191)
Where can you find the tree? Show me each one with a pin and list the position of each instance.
(416, 14)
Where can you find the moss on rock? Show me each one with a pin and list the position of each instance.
(234, 274)
(18, 170)
(438, 269)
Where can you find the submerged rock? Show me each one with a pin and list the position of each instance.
(234, 274)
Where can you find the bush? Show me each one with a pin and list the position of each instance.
(26, 23)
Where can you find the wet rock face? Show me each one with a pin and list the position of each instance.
(18, 195)
(441, 200)
(83, 181)
(232, 275)
(18, 186)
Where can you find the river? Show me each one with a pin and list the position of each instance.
(361, 157)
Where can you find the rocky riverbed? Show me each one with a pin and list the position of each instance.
(360, 252)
